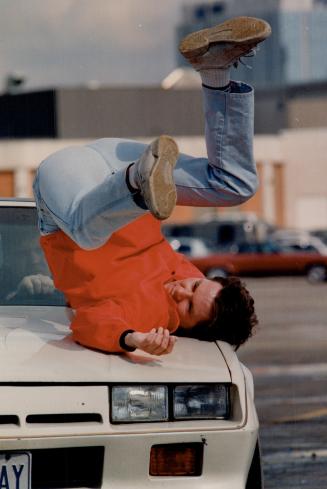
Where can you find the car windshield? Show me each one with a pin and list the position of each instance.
(25, 276)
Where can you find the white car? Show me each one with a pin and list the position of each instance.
(194, 247)
(299, 240)
(72, 417)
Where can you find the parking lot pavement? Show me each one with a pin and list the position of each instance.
(287, 357)
(295, 455)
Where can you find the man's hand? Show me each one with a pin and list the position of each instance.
(156, 342)
(33, 284)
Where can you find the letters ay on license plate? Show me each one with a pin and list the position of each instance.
(15, 470)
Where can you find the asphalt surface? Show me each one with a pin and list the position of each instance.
(288, 358)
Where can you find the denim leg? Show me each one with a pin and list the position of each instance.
(228, 177)
(82, 190)
(78, 191)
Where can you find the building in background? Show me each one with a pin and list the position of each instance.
(294, 54)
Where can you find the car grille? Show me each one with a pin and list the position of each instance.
(67, 467)
(48, 410)
(64, 418)
(9, 419)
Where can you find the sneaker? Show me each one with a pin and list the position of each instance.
(154, 176)
(221, 46)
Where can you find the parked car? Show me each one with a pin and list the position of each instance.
(73, 417)
(301, 241)
(265, 258)
(321, 234)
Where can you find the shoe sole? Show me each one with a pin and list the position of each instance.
(161, 195)
(238, 30)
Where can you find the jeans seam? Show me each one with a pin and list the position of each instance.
(112, 170)
(222, 133)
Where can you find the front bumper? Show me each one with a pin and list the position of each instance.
(226, 461)
(228, 446)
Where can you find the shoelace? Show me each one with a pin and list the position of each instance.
(250, 54)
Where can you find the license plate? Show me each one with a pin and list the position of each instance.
(15, 470)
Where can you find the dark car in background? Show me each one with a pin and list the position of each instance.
(223, 233)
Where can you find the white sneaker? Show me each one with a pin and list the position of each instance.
(154, 176)
(222, 46)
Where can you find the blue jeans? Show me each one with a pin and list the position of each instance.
(83, 191)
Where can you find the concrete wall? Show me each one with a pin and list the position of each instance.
(309, 112)
(148, 111)
(128, 113)
(303, 154)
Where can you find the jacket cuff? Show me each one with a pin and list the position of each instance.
(122, 343)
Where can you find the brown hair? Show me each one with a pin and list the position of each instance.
(234, 316)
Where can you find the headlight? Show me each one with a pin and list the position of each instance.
(201, 401)
(148, 403)
(139, 403)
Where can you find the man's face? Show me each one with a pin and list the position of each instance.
(194, 298)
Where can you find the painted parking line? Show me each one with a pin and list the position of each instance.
(306, 416)
(307, 369)
(278, 401)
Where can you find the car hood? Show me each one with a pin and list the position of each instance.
(36, 346)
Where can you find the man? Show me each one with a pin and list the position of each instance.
(100, 208)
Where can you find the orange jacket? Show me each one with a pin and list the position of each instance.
(118, 286)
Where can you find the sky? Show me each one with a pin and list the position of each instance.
(72, 42)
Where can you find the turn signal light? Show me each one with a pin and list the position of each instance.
(177, 459)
